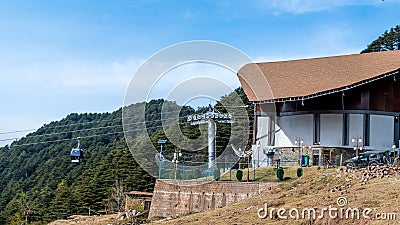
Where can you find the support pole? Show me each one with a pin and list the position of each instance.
(211, 143)
(230, 170)
(248, 168)
(321, 160)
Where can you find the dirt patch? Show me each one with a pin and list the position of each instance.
(92, 220)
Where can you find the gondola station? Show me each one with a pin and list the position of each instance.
(326, 108)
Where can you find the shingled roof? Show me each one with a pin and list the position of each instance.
(307, 78)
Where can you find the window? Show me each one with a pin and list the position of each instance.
(147, 205)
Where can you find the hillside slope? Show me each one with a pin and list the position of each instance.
(38, 183)
(316, 189)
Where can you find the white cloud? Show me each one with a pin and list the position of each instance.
(326, 41)
(286, 57)
(303, 6)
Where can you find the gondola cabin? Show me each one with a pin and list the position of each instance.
(76, 155)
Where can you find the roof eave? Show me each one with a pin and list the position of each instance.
(332, 91)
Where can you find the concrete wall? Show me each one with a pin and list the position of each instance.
(355, 127)
(170, 200)
(289, 127)
(331, 129)
(381, 132)
(263, 130)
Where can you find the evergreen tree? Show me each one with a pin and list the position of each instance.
(389, 40)
(62, 204)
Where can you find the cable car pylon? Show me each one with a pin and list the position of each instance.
(211, 117)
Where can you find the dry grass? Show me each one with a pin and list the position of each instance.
(266, 174)
(311, 190)
(98, 220)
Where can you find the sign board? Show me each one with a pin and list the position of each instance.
(162, 141)
(223, 117)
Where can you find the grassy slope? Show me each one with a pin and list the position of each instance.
(266, 174)
(312, 190)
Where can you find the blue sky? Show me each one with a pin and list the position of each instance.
(59, 57)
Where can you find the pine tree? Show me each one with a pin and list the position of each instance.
(61, 205)
(389, 40)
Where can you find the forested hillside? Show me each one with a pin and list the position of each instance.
(39, 183)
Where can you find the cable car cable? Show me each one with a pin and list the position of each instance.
(86, 129)
(81, 137)
(74, 124)
(89, 129)
(90, 122)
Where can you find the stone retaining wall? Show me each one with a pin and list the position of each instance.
(175, 198)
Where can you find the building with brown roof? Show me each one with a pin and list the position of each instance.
(340, 102)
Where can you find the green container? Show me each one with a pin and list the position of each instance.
(280, 173)
(239, 175)
(299, 172)
(306, 160)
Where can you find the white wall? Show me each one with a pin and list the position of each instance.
(331, 130)
(287, 128)
(263, 129)
(262, 136)
(355, 126)
(381, 132)
(290, 127)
